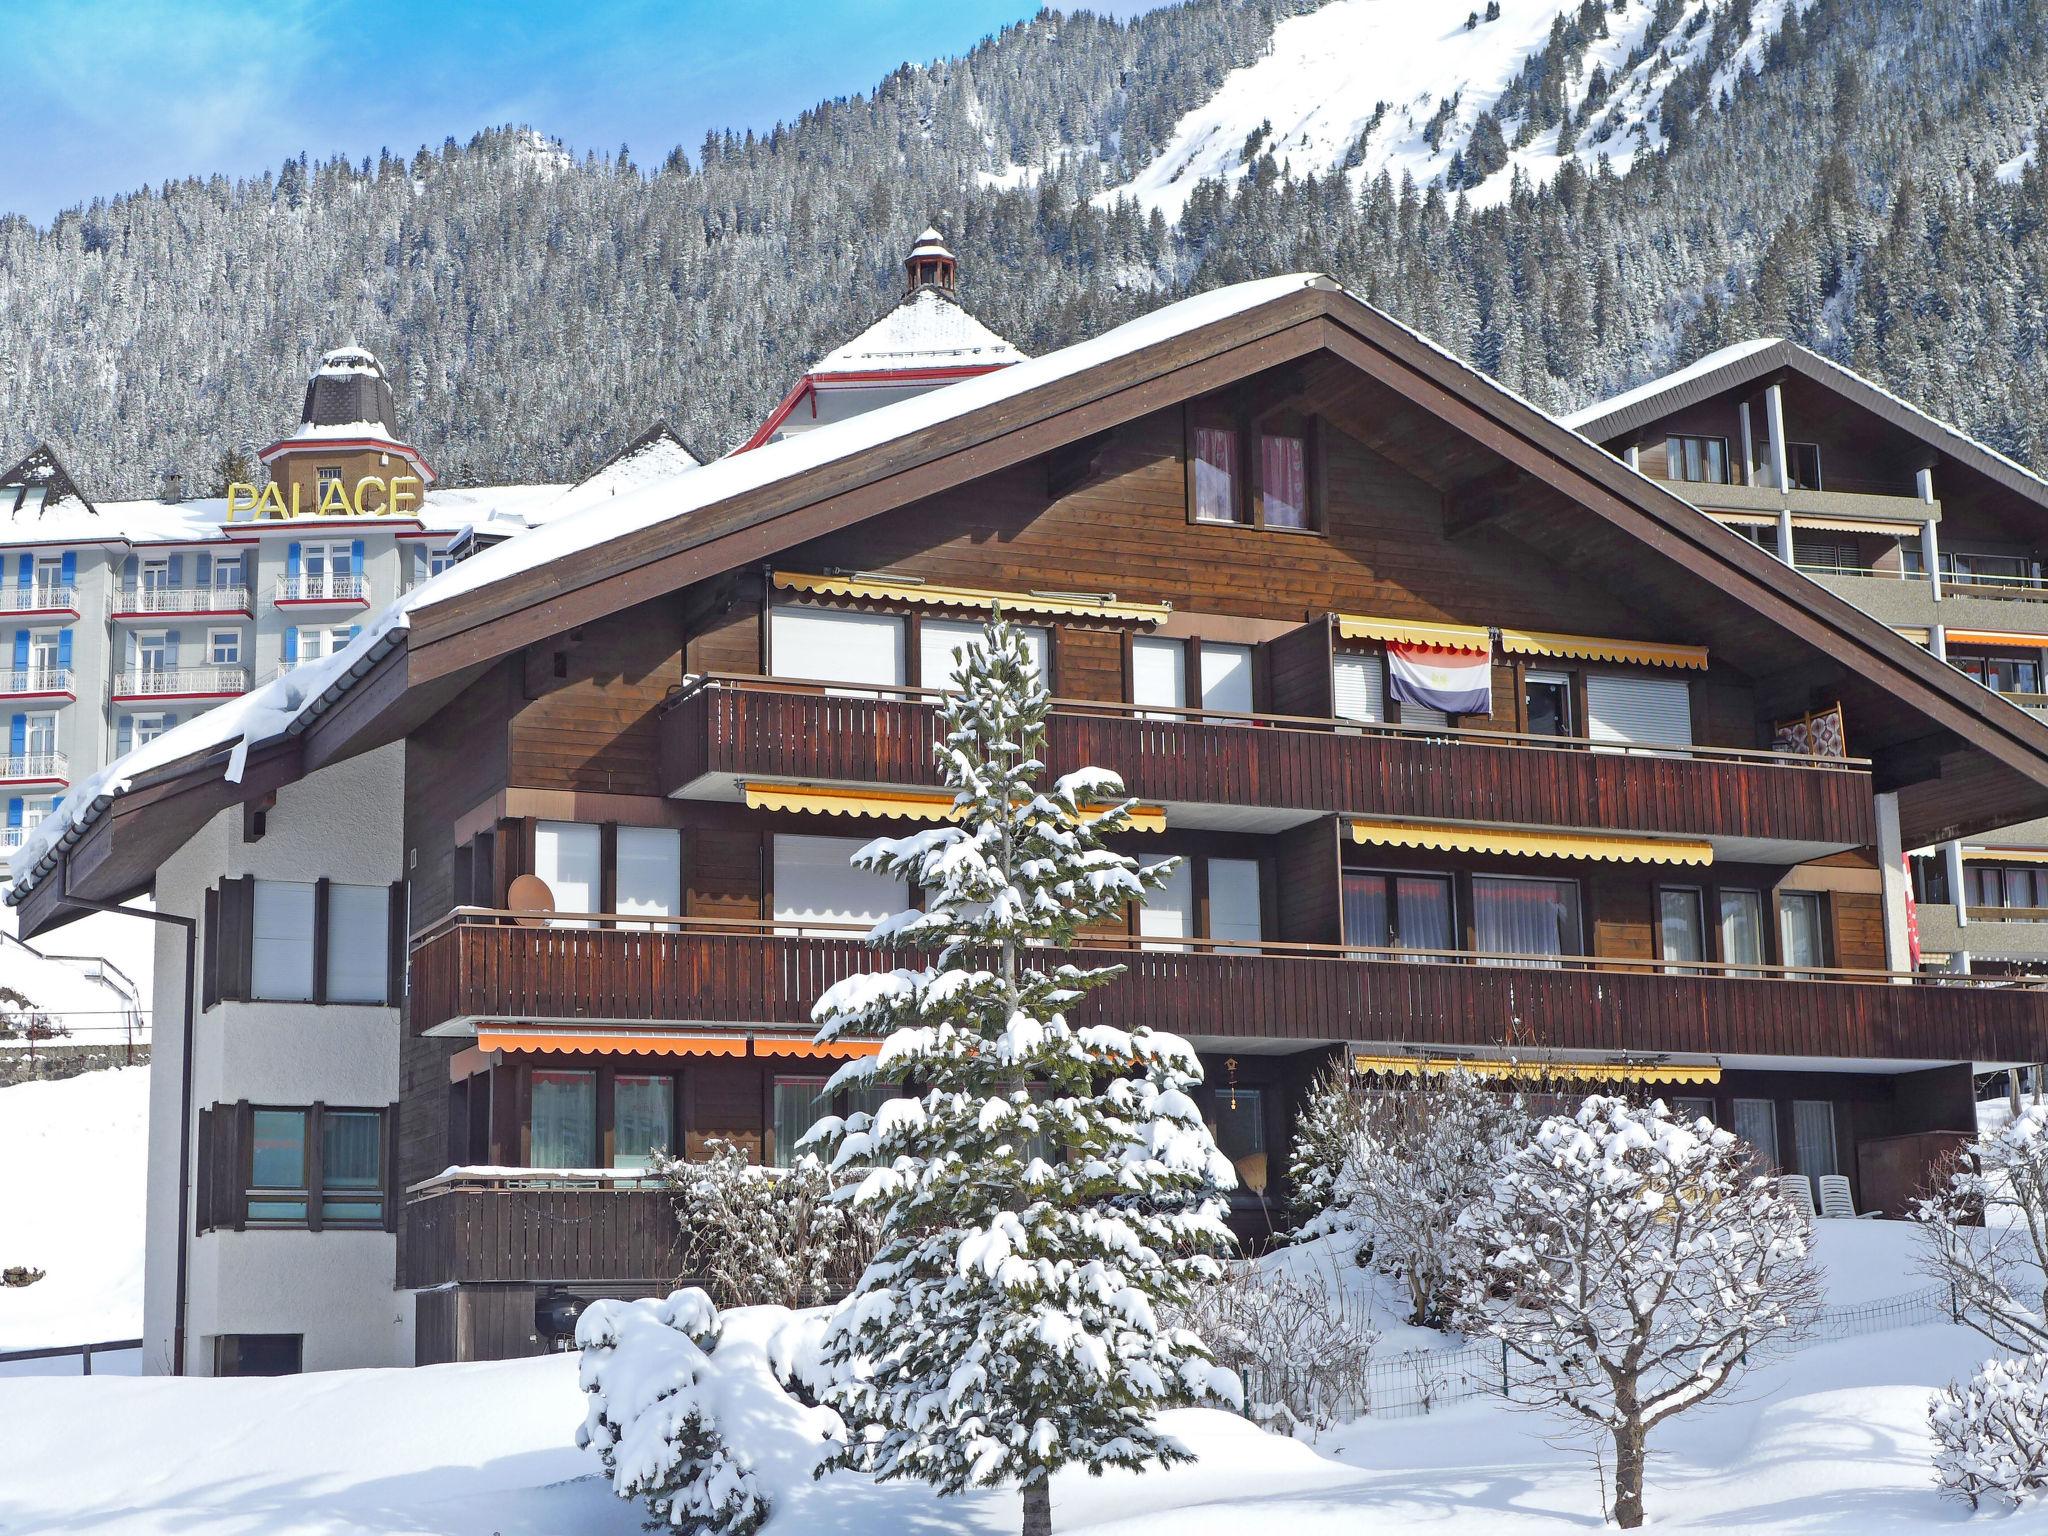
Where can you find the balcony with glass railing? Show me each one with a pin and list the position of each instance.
(36, 682)
(180, 682)
(322, 590)
(147, 602)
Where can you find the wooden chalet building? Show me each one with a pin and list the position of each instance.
(639, 745)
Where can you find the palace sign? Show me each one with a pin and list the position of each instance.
(371, 496)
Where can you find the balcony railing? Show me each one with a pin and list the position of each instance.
(180, 682)
(20, 680)
(538, 1229)
(774, 728)
(484, 965)
(12, 838)
(321, 589)
(39, 597)
(35, 765)
(155, 600)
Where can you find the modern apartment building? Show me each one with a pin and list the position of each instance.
(1470, 740)
(1914, 522)
(119, 619)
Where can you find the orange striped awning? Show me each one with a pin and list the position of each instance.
(1454, 837)
(897, 804)
(579, 1042)
(2018, 640)
(802, 1045)
(1446, 637)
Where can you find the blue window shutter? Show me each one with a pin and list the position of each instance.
(131, 570)
(172, 639)
(205, 576)
(14, 811)
(70, 567)
(291, 643)
(124, 737)
(64, 648)
(25, 569)
(354, 630)
(177, 571)
(17, 735)
(169, 721)
(355, 558)
(20, 650)
(291, 562)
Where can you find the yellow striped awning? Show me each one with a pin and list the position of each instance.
(2006, 855)
(1918, 634)
(578, 1042)
(1580, 1071)
(1450, 637)
(2017, 639)
(888, 589)
(1890, 529)
(1744, 519)
(897, 804)
(1649, 653)
(1452, 837)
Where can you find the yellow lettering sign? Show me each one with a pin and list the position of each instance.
(371, 496)
(271, 502)
(241, 498)
(405, 494)
(363, 489)
(334, 500)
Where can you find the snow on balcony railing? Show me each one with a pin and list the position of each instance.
(321, 589)
(182, 600)
(38, 597)
(17, 680)
(155, 682)
(35, 765)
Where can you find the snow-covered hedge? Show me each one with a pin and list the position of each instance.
(1991, 1436)
(667, 1378)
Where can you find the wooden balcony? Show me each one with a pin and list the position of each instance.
(534, 1230)
(730, 726)
(497, 967)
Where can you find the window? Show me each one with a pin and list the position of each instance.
(147, 728)
(281, 944)
(1226, 677)
(649, 878)
(224, 647)
(1697, 459)
(834, 646)
(1548, 700)
(1813, 1138)
(269, 1165)
(568, 856)
(1218, 493)
(439, 561)
(1756, 1122)
(1742, 926)
(352, 1167)
(40, 735)
(227, 572)
(1625, 708)
(1169, 912)
(1802, 466)
(1159, 672)
(1682, 928)
(1513, 915)
(1689, 1110)
(1283, 477)
(2002, 674)
(817, 882)
(277, 1165)
(258, 1354)
(564, 1119)
(358, 943)
(325, 477)
(643, 1119)
(153, 652)
(1237, 1121)
(1357, 691)
(796, 1108)
(1252, 471)
(1800, 932)
(940, 642)
(1234, 908)
(1390, 910)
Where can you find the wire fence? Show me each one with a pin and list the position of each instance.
(1422, 1381)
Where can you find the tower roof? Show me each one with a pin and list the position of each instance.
(349, 388)
(927, 329)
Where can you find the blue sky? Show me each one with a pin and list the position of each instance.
(105, 95)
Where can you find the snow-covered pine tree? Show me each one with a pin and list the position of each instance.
(1047, 1191)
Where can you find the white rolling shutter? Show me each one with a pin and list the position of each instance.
(1358, 692)
(1234, 899)
(569, 856)
(650, 872)
(1159, 672)
(815, 883)
(1169, 912)
(830, 646)
(1657, 710)
(939, 642)
(1227, 678)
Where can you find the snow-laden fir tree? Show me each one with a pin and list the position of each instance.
(1984, 1231)
(1641, 1264)
(1047, 1190)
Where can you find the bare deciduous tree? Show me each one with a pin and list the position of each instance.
(1641, 1263)
(1984, 1231)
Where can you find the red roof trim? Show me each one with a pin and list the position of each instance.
(810, 383)
(406, 451)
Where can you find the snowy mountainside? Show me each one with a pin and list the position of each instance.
(1420, 90)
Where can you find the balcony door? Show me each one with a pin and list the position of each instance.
(156, 577)
(1159, 673)
(1623, 708)
(817, 885)
(1169, 912)
(569, 857)
(1524, 916)
(830, 645)
(1226, 674)
(40, 736)
(1385, 909)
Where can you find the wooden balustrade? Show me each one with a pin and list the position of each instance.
(498, 967)
(793, 732)
(553, 1235)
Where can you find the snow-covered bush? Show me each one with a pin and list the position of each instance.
(653, 1415)
(1296, 1339)
(1326, 1138)
(756, 1235)
(1641, 1263)
(1984, 1231)
(1991, 1436)
(1421, 1157)
(1047, 1191)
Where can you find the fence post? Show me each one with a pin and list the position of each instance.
(1504, 1368)
(86, 1355)
(1955, 1310)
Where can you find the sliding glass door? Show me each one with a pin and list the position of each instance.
(1513, 915)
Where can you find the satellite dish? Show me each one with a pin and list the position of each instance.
(529, 893)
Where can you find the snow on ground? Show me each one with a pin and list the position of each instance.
(71, 1202)
(1355, 85)
(126, 944)
(1832, 1440)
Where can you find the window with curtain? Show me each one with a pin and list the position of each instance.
(1813, 1139)
(281, 942)
(352, 1167)
(1218, 494)
(832, 645)
(277, 1165)
(940, 642)
(817, 882)
(1403, 911)
(564, 1118)
(643, 1118)
(649, 878)
(569, 857)
(1697, 459)
(1283, 479)
(1237, 1121)
(1742, 926)
(1756, 1122)
(358, 943)
(1800, 915)
(796, 1107)
(1516, 916)
(1681, 927)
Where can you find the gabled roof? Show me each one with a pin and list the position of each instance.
(40, 470)
(1750, 362)
(743, 509)
(928, 328)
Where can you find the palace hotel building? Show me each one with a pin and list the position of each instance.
(546, 869)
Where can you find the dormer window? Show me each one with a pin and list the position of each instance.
(1253, 471)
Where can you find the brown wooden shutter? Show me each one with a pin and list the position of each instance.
(393, 1190)
(235, 951)
(202, 1178)
(316, 1164)
(209, 963)
(394, 956)
(236, 1165)
(323, 900)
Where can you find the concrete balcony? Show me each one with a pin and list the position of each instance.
(1904, 509)
(321, 591)
(158, 602)
(34, 768)
(37, 683)
(165, 683)
(1992, 933)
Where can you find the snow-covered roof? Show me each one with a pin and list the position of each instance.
(331, 431)
(1699, 368)
(348, 362)
(928, 329)
(72, 994)
(930, 244)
